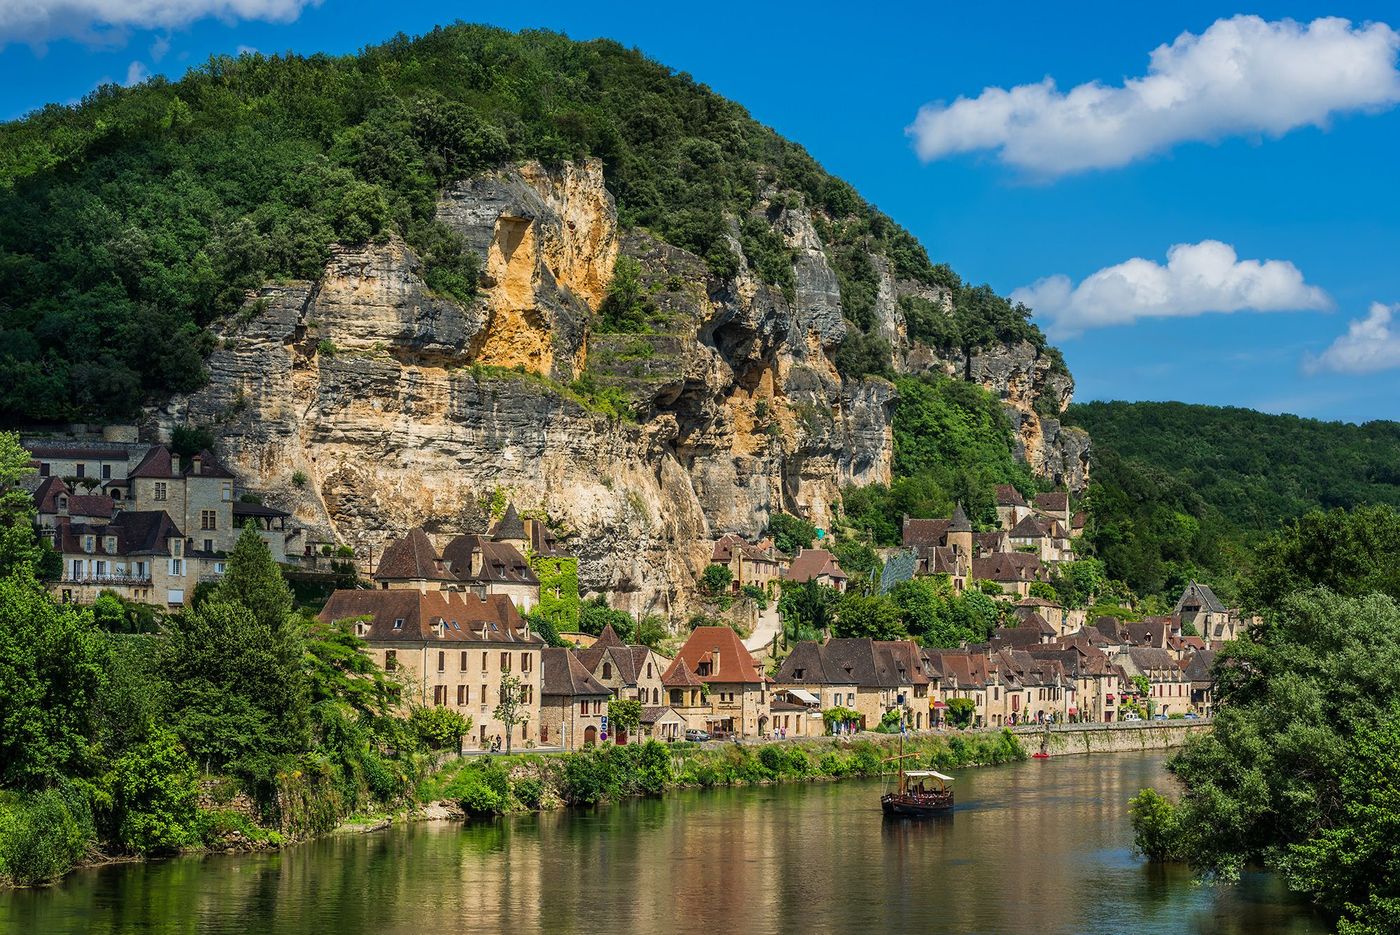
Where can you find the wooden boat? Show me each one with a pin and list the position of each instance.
(921, 792)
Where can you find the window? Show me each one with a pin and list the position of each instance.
(648, 670)
(101, 568)
(391, 660)
(44, 472)
(461, 695)
(442, 662)
(208, 545)
(439, 695)
(208, 519)
(398, 623)
(524, 662)
(228, 491)
(160, 490)
(106, 472)
(655, 697)
(583, 708)
(607, 670)
(464, 660)
(177, 567)
(77, 569)
(109, 545)
(89, 543)
(483, 668)
(177, 547)
(175, 596)
(80, 470)
(505, 662)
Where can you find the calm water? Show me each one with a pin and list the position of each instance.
(1039, 847)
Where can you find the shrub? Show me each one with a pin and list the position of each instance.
(44, 835)
(299, 479)
(529, 791)
(153, 796)
(439, 728)
(653, 768)
(833, 764)
(1154, 825)
(866, 759)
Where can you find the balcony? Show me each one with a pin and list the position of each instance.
(110, 580)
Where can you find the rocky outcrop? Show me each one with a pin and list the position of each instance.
(364, 403)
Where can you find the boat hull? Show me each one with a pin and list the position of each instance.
(907, 807)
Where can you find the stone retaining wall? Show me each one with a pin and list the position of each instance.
(1069, 739)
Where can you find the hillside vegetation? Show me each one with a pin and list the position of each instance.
(1182, 491)
(148, 212)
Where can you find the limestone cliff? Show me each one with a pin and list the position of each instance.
(393, 406)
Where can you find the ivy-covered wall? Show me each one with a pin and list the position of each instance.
(559, 601)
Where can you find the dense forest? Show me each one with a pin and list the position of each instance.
(1181, 491)
(149, 211)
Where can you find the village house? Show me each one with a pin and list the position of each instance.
(1198, 672)
(483, 565)
(1012, 571)
(1169, 688)
(760, 564)
(941, 546)
(1046, 538)
(452, 649)
(1199, 607)
(198, 495)
(631, 672)
(1052, 613)
(1035, 689)
(870, 677)
(714, 669)
(663, 723)
(101, 468)
(964, 674)
(1011, 506)
(139, 555)
(817, 565)
(1053, 505)
(572, 702)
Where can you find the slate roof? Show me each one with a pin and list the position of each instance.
(1056, 501)
(812, 563)
(959, 521)
(1007, 495)
(155, 463)
(412, 558)
(500, 561)
(562, 674)
(209, 466)
(158, 462)
(924, 532)
(678, 675)
(1035, 602)
(1006, 566)
(466, 617)
(984, 543)
(1037, 527)
(1198, 666)
(95, 505)
(1200, 596)
(862, 662)
(627, 660)
(1148, 659)
(510, 525)
(138, 532)
(651, 715)
(75, 453)
(735, 663)
(542, 541)
(46, 494)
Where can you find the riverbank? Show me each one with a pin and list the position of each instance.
(487, 786)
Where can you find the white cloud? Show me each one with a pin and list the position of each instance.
(37, 21)
(1198, 278)
(1241, 76)
(247, 50)
(159, 48)
(135, 74)
(1371, 344)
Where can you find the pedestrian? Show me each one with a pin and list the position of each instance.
(785, 732)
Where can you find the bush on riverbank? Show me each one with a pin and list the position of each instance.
(44, 834)
(485, 787)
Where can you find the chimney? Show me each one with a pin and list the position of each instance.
(198, 463)
(478, 559)
(714, 661)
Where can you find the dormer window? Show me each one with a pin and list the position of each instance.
(398, 623)
(198, 465)
(109, 545)
(62, 502)
(89, 543)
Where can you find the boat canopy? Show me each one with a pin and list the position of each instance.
(920, 773)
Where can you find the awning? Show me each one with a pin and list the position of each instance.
(921, 773)
(1073, 710)
(802, 695)
(939, 705)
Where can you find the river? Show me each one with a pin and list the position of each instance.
(1039, 847)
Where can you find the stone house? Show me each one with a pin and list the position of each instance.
(1012, 571)
(1051, 612)
(961, 673)
(572, 702)
(817, 565)
(452, 649)
(758, 564)
(732, 693)
(631, 672)
(942, 546)
(1046, 538)
(92, 467)
(663, 723)
(198, 495)
(140, 556)
(1169, 688)
(870, 677)
(1054, 505)
(1199, 607)
(483, 565)
(1198, 672)
(1011, 506)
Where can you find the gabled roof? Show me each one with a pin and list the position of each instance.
(924, 532)
(1006, 566)
(138, 533)
(735, 662)
(1198, 666)
(95, 505)
(1036, 527)
(412, 558)
(987, 542)
(1007, 495)
(1200, 596)
(680, 676)
(500, 561)
(562, 674)
(510, 526)
(209, 466)
(460, 617)
(542, 541)
(157, 463)
(813, 563)
(651, 715)
(1078, 520)
(47, 493)
(1056, 501)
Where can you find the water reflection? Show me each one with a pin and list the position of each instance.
(1039, 847)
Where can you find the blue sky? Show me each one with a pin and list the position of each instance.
(1005, 206)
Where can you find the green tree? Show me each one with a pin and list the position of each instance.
(153, 796)
(19, 547)
(715, 581)
(960, 711)
(510, 709)
(791, 533)
(439, 728)
(624, 716)
(808, 609)
(874, 616)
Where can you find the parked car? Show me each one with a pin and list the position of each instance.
(1131, 716)
(1192, 715)
(697, 735)
(1159, 717)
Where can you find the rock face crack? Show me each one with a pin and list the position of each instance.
(365, 403)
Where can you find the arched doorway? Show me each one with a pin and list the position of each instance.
(590, 735)
(763, 726)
